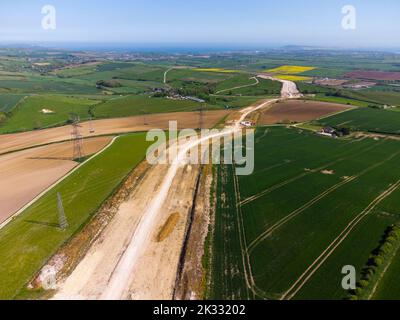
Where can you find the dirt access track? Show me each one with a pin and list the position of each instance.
(25, 174)
(299, 111)
(18, 141)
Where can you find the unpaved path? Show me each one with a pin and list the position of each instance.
(165, 74)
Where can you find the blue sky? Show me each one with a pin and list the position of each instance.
(255, 22)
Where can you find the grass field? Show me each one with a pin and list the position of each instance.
(35, 232)
(46, 85)
(28, 115)
(391, 98)
(8, 101)
(365, 97)
(216, 70)
(137, 105)
(176, 76)
(298, 200)
(77, 71)
(127, 71)
(265, 87)
(366, 119)
(236, 81)
(324, 98)
(242, 85)
(235, 101)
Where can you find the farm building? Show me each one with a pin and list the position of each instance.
(328, 131)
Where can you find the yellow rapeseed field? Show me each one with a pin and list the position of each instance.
(291, 69)
(293, 78)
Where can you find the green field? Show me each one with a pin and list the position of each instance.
(8, 101)
(29, 115)
(127, 71)
(366, 97)
(35, 232)
(341, 100)
(375, 96)
(264, 87)
(76, 71)
(366, 119)
(298, 200)
(37, 84)
(234, 101)
(137, 105)
(176, 76)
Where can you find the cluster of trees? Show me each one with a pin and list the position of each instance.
(161, 94)
(194, 89)
(343, 131)
(108, 83)
(336, 93)
(369, 274)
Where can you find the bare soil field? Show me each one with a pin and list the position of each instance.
(17, 141)
(373, 75)
(299, 111)
(25, 174)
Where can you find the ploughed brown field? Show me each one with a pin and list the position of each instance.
(299, 111)
(18, 141)
(25, 174)
(373, 75)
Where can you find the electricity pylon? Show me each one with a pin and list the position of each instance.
(62, 219)
(76, 138)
